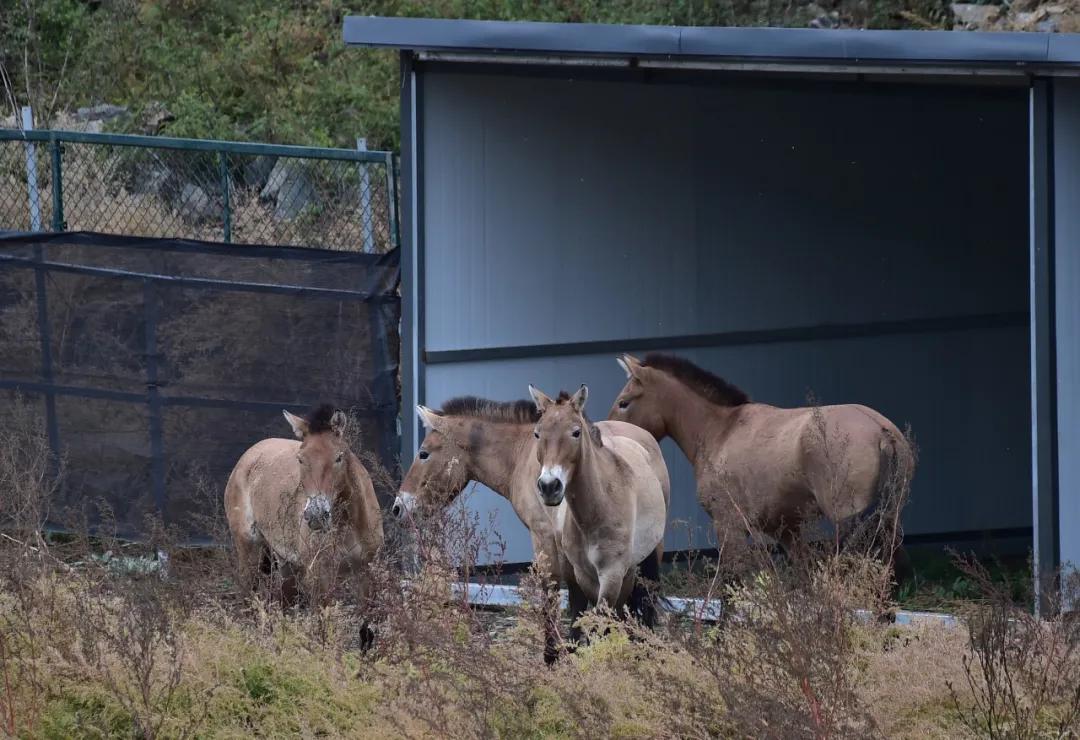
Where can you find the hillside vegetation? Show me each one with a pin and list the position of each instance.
(277, 70)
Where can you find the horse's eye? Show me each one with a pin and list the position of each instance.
(299, 459)
(576, 433)
(536, 433)
(624, 404)
(424, 454)
(340, 457)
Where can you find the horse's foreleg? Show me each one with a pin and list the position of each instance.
(611, 588)
(579, 602)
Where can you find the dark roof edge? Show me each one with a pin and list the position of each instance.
(786, 44)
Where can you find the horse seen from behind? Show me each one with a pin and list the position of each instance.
(760, 468)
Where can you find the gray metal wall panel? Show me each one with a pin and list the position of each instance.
(578, 210)
(973, 473)
(1067, 315)
(660, 210)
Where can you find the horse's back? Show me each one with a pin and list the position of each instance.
(648, 443)
(646, 493)
(263, 475)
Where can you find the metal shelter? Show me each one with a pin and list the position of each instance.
(884, 217)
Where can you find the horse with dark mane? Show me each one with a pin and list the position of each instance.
(306, 506)
(759, 467)
(493, 443)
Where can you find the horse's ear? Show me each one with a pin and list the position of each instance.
(629, 363)
(299, 426)
(539, 398)
(578, 399)
(431, 420)
(338, 423)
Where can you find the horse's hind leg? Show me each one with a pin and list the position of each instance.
(250, 557)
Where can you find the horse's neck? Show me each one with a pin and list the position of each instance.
(493, 460)
(692, 421)
(355, 493)
(586, 499)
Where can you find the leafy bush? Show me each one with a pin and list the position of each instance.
(268, 70)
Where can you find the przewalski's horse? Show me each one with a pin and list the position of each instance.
(492, 442)
(611, 503)
(307, 505)
(761, 467)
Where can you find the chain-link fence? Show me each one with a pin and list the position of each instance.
(210, 190)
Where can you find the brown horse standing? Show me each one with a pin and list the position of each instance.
(307, 505)
(611, 503)
(758, 466)
(492, 442)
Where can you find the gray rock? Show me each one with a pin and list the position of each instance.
(289, 188)
(970, 15)
(195, 205)
(103, 112)
(256, 172)
(1051, 25)
(151, 180)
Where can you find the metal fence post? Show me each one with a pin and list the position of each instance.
(226, 206)
(367, 229)
(56, 150)
(153, 396)
(31, 171)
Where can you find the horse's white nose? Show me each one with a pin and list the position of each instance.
(404, 504)
(550, 485)
(317, 512)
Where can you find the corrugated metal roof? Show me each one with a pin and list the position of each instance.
(809, 46)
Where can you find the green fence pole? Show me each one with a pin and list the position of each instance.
(226, 207)
(56, 151)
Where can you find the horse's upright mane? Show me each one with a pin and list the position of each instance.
(318, 419)
(502, 412)
(712, 388)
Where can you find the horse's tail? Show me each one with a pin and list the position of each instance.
(643, 597)
(891, 491)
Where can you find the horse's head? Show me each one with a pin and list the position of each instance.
(641, 400)
(438, 472)
(562, 434)
(323, 459)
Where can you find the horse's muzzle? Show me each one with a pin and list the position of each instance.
(404, 503)
(317, 512)
(550, 489)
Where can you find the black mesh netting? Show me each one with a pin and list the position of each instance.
(155, 363)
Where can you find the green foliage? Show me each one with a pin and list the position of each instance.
(271, 70)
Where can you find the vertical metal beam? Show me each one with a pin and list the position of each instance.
(226, 205)
(32, 191)
(56, 152)
(367, 218)
(412, 263)
(153, 396)
(1043, 363)
(1067, 321)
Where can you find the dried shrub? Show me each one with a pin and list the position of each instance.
(1021, 673)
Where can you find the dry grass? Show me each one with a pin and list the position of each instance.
(92, 649)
